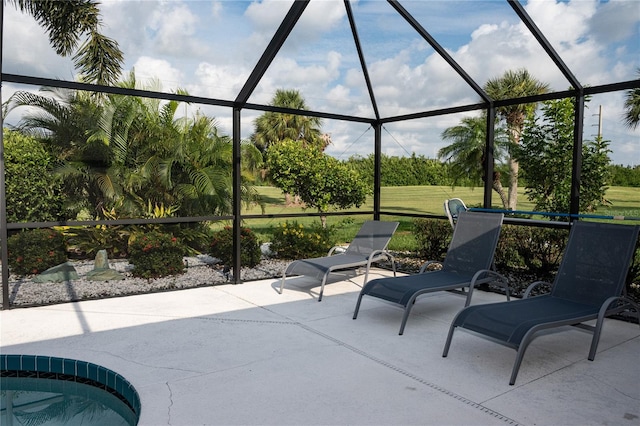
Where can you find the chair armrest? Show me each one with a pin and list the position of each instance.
(487, 272)
(532, 286)
(376, 253)
(334, 248)
(426, 264)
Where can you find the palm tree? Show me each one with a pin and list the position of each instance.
(515, 84)
(274, 127)
(122, 154)
(98, 58)
(467, 151)
(632, 106)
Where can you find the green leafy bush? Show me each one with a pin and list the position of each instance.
(432, 237)
(35, 250)
(294, 241)
(537, 250)
(155, 254)
(33, 192)
(221, 247)
(86, 242)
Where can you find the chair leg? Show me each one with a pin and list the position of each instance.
(324, 281)
(516, 364)
(355, 312)
(405, 316)
(447, 344)
(282, 283)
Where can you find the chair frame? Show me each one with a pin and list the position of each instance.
(375, 256)
(481, 276)
(620, 303)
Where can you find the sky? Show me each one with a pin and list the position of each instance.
(209, 48)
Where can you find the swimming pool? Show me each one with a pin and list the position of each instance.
(46, 390)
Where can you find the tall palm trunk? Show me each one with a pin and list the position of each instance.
(497, 186)
(514, 168)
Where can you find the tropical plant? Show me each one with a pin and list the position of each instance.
(632, 106)
(292, 240)
(433, 237)
(221, 247)
(319, 180)
(511, 85)
(32, 193)
(156, 254)
(125, 152)
(98, 58)
(466, 153)
(35, 250)
(275, 127)
(546, 152)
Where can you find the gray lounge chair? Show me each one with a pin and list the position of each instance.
(589, 285)
(452, 208)
(368, 246)
(466, 265)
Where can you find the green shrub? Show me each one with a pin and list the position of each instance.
(433, 237)
(294, 241)
(86, 242)
(537, 250)
(221, 247)
(155, 254)
(35, 250)
(33, 191)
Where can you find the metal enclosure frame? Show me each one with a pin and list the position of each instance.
(578, 92)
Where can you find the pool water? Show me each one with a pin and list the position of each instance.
(47, 391)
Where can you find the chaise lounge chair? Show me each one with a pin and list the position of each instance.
(589, 285)
(452, 208)
(466, 265)
(368, 246)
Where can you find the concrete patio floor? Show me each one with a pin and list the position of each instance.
(246, 355)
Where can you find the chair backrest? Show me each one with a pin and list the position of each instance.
(452, 208)
(595, 262)
(474, 242)
(373, 235)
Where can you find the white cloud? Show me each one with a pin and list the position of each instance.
(26, 49)
(174, 26)
(148, 69)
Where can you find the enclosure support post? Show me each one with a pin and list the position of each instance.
(576, 167)
(488, 155)
(237, 195)
(3, 199)
(377, 126)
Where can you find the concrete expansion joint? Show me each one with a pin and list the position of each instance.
(412, 376)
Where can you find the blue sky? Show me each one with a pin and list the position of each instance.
(210, 47)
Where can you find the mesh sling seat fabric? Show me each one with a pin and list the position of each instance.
(368, 246)
(466, 265)
(589, 285)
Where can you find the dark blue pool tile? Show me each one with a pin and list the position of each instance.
(102, 375)
(111, 379)
(43, 364)
(82, 369)
(57, 366)
(69, 366)
(93, 372)
(13, 362)
(3, 362)
(28, 362)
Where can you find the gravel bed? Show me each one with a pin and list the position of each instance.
(201, 271)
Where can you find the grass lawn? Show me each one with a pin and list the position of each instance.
(413, 199)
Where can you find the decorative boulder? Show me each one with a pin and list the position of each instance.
(101, 270)
(58, 273)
